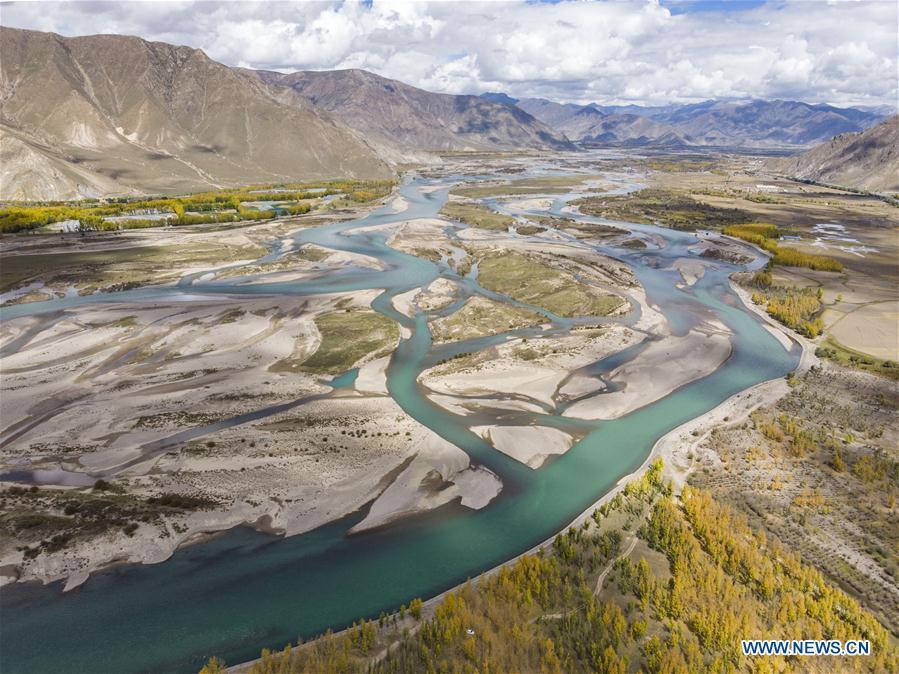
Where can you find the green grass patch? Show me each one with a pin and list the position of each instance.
(528, 230)
(480, 317)
(525, 187)
(541, 285)
(833, 350)
(14, 269)
(664, 208)
(349, 336)
(476, 215)
(115, 268)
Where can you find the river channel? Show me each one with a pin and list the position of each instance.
(244, 590)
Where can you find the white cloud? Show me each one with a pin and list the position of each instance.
(610, 52)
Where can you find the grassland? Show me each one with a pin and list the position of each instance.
(349, 336)
(832, 350)
(476, 215)
(533, 282)
(528, 230)
(116, 268)
(651, 582)
(480, 317)
(527, 186)
(662, 207)
(797, 208)
(19, 268)
(581, 230)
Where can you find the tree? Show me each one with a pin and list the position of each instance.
(214, 666)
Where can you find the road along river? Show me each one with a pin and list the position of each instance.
(244, 590)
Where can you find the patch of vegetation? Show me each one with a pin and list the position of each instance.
(790, 257)
(182, 502)
(19, 268)
(765, 235)
(700, 581)
(115, 268)
(533, 282)
(833, 350)
(476, 215)
(662, 207)
(680, 165)
(528, 230)
(347, 337)
(33, 296)
(820, 459)
(637, 244)
(527, 186)
(480, 317)
(48, 520)
(755, 197)
(200, 208)
(582, 230)
(797, 308)
(179, 419)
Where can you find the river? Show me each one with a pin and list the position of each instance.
(245, 590)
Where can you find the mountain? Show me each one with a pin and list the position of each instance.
(753, 124)
(868, 160)
(587, 124)
(108, 114)
(642, 110)
(761, 124)
(499, 97)
(397, 117)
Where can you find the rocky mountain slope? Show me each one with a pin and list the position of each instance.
(397, 117)
(867, 160)
(108, 114)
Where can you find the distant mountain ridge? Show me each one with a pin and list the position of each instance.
(750, 124)
(868, 160)
(589, 125)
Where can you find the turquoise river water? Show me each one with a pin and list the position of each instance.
(245, 590)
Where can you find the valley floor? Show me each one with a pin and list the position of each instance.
(135, 423)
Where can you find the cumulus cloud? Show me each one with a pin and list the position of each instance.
(609, 52)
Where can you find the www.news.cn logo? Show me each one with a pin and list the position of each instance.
(788, 647)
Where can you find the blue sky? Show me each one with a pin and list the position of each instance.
(688, 6)
(643, 52)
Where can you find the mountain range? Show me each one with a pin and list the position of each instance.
(116, 115)
(397, 117)
(748, 124)
(109, 114)
(868, 160)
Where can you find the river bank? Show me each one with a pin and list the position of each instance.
(301, 584)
